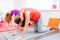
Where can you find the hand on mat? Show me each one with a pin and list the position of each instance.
(14, 34)
(20, 38)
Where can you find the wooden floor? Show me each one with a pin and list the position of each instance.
(45, 35)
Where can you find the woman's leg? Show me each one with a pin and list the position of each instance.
(38, 26)
(35, 27)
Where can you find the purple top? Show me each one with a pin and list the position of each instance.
(15, 12)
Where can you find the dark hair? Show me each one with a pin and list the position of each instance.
(17, 20)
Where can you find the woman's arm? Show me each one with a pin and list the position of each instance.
(27, 16)
(21, 14)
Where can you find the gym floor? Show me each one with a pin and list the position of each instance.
(31, 35)
(54, 35)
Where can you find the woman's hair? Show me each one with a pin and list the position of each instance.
(8, 17)
(17, 20)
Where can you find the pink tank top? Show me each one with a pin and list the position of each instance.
(34, 14)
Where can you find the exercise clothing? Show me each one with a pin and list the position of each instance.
(34, 14)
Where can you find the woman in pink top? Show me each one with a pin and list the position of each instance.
(26, 16)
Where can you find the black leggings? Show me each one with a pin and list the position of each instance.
(23, 23)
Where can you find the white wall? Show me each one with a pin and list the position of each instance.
(6, 5)
(41, 4)
(19, 4)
